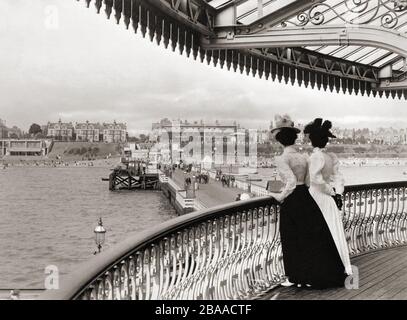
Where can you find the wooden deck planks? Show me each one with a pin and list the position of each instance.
(377, 274)
(382, 275)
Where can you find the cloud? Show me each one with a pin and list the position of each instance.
(90, 68)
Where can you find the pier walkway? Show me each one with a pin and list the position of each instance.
(382, 275)
(210, 194)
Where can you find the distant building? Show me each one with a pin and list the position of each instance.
(15, 133)
(179, 126)
(157, 127)
(29, 147)
(301, 135)
(3, 147)
(263, 136)
(114, 132)
(3, 129)
(87, 131)
(387, 136)
(179, 133)
(403, 136)
(44, 129)
(9, 133)
(60, 131)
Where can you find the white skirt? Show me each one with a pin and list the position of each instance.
(333, 218)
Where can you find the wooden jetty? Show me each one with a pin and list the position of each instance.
(133, 177)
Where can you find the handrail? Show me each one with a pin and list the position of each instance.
(167, 237)
(173, 184)
(380, 185)
(231, 251)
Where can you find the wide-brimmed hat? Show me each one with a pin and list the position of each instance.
(282, 122)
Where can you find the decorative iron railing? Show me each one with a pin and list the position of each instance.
(228, 252)
(375, 216)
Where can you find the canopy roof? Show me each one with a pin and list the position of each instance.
(333, 12)
(354, 46)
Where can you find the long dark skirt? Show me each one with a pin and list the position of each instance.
(309, 252)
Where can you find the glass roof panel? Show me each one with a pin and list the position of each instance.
(248, 12)
(360, 54)
(374, 55)
(217, 3)
(386, 60)
(399, 66)
(344, 51)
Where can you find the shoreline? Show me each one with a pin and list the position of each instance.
(373, 162)
(116, 160)
(53, 163)
(362, 162)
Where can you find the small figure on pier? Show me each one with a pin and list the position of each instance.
(232, 181)
(223, 180)
(187, 182)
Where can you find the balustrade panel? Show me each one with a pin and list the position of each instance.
(234, 251)
(375, 217)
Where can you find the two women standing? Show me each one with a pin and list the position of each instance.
(314, 246)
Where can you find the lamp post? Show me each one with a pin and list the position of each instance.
(249, 184)
(100, 234)
(235, 136)
(213, 157)
(193, 186)
(181, 151)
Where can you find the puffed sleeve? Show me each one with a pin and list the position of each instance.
(288, 176)
(338, 180)
(316, 164)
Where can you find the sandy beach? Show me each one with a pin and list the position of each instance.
(44, 162)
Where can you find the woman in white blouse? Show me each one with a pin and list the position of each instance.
(309, 253)
(327, 185)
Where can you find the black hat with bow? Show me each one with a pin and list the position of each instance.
(317, 127)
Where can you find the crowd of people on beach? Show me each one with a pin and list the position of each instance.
(369, 162)
(347, 162)
(57, 163)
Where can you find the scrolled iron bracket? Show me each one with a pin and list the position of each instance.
(358, 13)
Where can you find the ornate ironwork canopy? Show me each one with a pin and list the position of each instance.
(354, 46)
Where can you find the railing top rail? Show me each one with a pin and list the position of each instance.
(376, 186)
(73, 284)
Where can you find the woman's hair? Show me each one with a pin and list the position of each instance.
(286, 137)
(318, 141)
(319, 133)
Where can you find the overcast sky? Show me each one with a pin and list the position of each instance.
(86, 67)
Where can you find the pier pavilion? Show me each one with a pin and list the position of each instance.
(233, 251)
